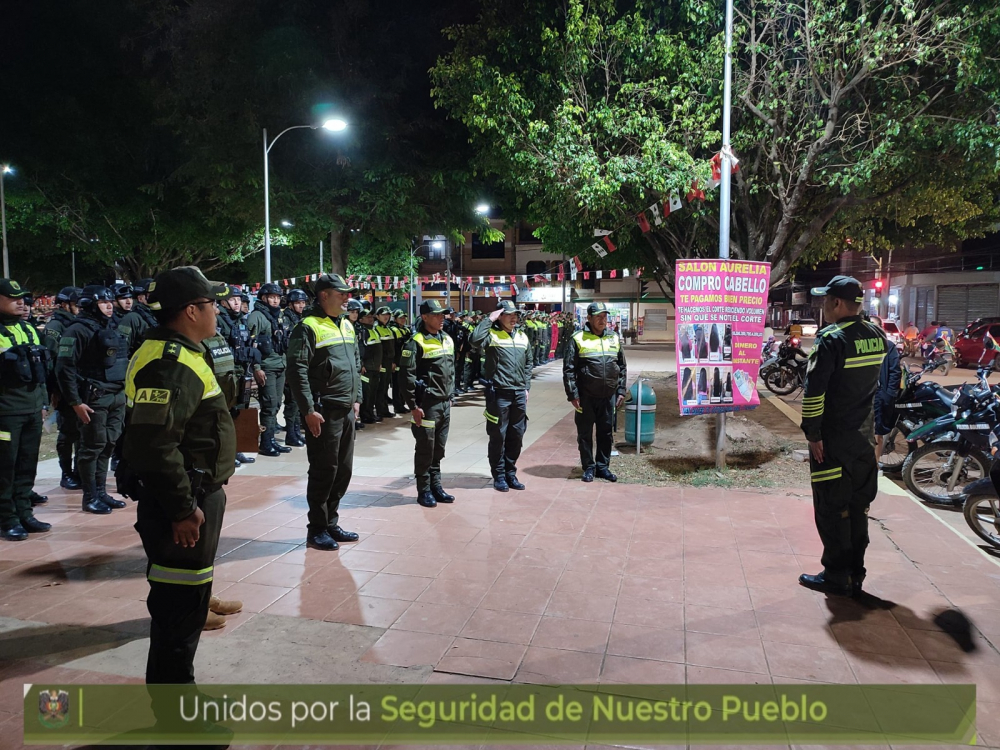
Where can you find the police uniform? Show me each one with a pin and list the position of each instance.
(387, 341)
(842, 376)
(137, 321)
(68, 438)
(324, 376)
(508, 374)
(401, 335)
(90, 369)
(181, 451)
(429, 364)
(594, 374)
(265, 326)
(371, 374)
(24, 366)
(293, 421)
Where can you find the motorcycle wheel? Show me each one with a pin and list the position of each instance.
(894, 451)
(782, 380)
(982, 513)
(924, 469)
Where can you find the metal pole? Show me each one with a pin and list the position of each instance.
(413, 301)
(724, 201)
(638, 416)
(448, 250)
(3, 223)
(321, 256)
(563, 269)
(267, 217)
(73, 257)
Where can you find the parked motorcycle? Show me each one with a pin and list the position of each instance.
(788, 373)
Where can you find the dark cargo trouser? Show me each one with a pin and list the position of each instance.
(843, 487)
(180, 586)
(97, 439)
(397, 392)
(20, 437)
(68, 439)
(269, 396)
(599, 413)
(459, 371)
(475, 367)
(291, 411)
(331, 465)
(369, 394)
(506, 421)
(382, 398)
(431, 439)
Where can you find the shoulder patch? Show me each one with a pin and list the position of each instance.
(152, 396)
(407, 353)
(172, 350)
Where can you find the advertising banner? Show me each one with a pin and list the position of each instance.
(720, 314)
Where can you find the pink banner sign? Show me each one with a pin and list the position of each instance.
(720, 313)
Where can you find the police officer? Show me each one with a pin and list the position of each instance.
(401, 331)
(352, 313)
(90, 372)
(123, 302)
(594, 376)
(24, 367)
(290, 317)
(325, 378)
(387, 340)
(461, 336)
(475, 368)
(180, 452)
(841, 379)
(428, 362)
(371, 365)
(139, 319)
(508, 372)
(68, 440)
(265, 326)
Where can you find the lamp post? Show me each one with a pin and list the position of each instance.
(4, 169)
(436, 245)
(334, 126)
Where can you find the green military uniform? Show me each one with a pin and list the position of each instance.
(508, 372)
(401, 335)
(429, 364)
(325, 377)
(180, 453)
(841, 380)
(594, 372)
(90, 369)
(371, 363)
(135, 324)
(265, 326)
(387, 341)
(24, 369)
(293, 420)
(68, 439)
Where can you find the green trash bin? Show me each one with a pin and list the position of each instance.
(646, 408)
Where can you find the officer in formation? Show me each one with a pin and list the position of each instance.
(474, 367)
(180, 453)
(90, 373)
(508, 374)
(123, 302)
(841, 380)
(24, 371)
(401, 332)
(139, 319)
(352, 313)
(428, 362)
(454, 328)
(290, 317)
(387, 343)
(371, 364)
(594, 375)
(325, 379)
(267, 329)
(68, 438)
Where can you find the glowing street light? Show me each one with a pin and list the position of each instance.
(335, 125)
(7, 169)
(286, 224)
(482, 209)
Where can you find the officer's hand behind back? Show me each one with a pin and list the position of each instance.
(188, 531)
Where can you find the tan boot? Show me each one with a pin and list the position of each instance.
(221, 607)
(214, 622)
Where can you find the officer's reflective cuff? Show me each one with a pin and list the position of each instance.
(428, 423)
(812, 406)
(490, 417)
(381, 369)
(826, 475)
(364, 379)
(180, 576)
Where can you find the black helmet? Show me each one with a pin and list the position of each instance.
(122, 291)
(68, 294)
(366, 307)
(297, 295)
(245, 296)
(354, 304)
(141, 286)
(93, 293)
(29, 300)
(269, 288)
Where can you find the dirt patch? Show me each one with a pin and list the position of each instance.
(683, 451)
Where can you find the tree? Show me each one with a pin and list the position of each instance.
(844, 111)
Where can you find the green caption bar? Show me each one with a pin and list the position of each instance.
(500, 714)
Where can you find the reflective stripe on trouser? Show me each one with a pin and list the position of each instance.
(180, 587)
(430, 442)
(843, 488)
(269, 396)
(21, 436)
(68, 439)
(97, 439)
(599, 413)
(507, 432)
(331, 465)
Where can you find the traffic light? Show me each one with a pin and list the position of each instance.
(643, 288)
(878, 285)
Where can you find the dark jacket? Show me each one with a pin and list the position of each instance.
(508, 356)
(18, 398)
(889, 379)
(135, 324)
(91, 352)
(324, 364)
(371, 350)
(428, 362)
(594, 366)
(272, 337)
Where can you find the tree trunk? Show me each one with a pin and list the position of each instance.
(338, 252)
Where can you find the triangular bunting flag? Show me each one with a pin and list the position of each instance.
(610, 244)
(696, 193)
(675, 203)
(614, 274)
(624, 273)
(600, 274)
(655, 210)
(577, 263)
(601, 252)
(586, 275)
(602, 232)
(643, 222)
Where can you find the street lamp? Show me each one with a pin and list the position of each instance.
(5, 169)
(286, 224)
(482, 209)
(435, 245)
(334, 125)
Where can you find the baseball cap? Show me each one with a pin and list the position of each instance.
(845, 287)
(506, 307)
(10, 288)
(332, 281)
(432, 306)
(181, 286)
(596, 308)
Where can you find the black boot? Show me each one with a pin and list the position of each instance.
(278, 446)
(512, 481)
(92, 504)
(425, 497)
(438, 491)
(69, 483)
(294, 436)
(104, 497)
(244, 459)
(267, 445)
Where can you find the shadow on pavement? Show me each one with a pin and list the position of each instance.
(19, 647)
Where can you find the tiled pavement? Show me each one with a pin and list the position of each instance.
(564, 582)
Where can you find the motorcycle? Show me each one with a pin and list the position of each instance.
(788, 373)
(982, 504)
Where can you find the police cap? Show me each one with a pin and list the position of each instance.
(433, 307)
(845, 287)
(506, 307)
(181, 286)
(596, 308)
(10, 288)
(332, 281)
(384, 310)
